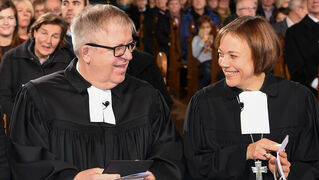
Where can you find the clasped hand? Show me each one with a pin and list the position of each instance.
(97, 174)
(261, 150)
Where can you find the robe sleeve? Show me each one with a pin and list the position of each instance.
(167, 148)
(205, 158)
(299, 68)
(6, 85)
(304, 157)
(29, 154)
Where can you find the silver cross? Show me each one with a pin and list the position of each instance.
(258, 169)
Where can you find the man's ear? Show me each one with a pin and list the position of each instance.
(85, 54)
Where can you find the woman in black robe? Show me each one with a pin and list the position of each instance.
(214, 145)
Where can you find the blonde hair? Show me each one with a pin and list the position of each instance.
(28, 3)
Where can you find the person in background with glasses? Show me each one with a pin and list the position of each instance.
(71, 124)
(243, 8)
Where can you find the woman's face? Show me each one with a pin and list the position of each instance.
(7, 22)
(24, 14)
(206, 27)
(236, 61)
(47, 38)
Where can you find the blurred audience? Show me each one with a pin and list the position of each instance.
(9, 37)
(202, 49)
(25, 14)
(40, 55)
(267, 9)
(298, 10)
(282, 13)
(302, 48)
(39, 8)
(223, 11)
(243, 8)
(53, 6)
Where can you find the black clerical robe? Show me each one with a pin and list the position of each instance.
(52, 136)
(215, 148)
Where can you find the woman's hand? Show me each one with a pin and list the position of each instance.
(260, 149)
(150, 177)
(95, 174)
(285, 164)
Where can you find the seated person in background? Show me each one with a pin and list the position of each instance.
(223, 10)
(197, 9)
(53, 6)
(25, 14)
(202, 49)
(39, 9)
(9, 37)
(38, 56)
(236, 124)
(282, 14)
(163, 30)
(267, 9)
(301, 48)
(298, 10)
(144, 67)
(243, 8)
(70, 124)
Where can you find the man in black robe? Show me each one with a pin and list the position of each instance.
(302, 48)
(65, 126)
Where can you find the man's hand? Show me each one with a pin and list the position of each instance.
(150, 177)
(95, 174)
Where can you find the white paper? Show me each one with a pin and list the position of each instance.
(137, 176)
(278, 164)
(254, 115)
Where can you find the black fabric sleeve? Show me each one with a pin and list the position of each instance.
(29, 154)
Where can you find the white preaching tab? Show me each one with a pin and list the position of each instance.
(254, 115)
(100, 104)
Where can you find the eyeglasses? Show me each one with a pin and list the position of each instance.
(118, 51)
(247, 8)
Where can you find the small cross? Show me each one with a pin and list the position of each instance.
(258, 169)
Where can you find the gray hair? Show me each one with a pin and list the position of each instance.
(96, 19)
(297, 3)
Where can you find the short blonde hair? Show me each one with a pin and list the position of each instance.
(260, 37)
(96, 19)
(28, 3)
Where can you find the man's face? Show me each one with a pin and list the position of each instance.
(71, 8)
(246, 8)
(103, 65)
(161, 4)
(39, 10)
(313, 7)
(199, 4)
(141, 4)
(174, 6)
(53, 6)
(267, 2)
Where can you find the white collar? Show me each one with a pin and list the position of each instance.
(254, 115)
(289, 22)
(100, 105)
(313, 18)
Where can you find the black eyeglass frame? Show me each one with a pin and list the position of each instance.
(113, 48)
